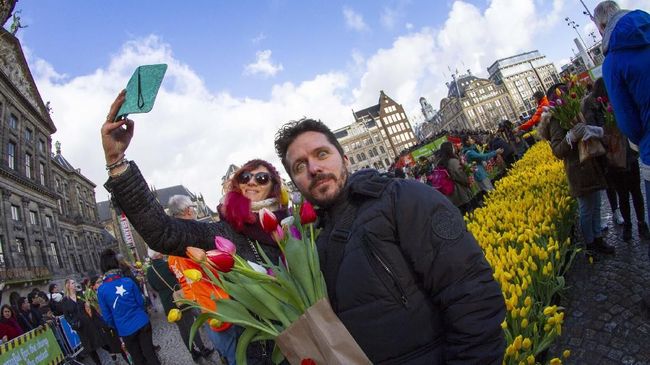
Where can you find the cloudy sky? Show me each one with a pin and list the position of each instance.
(239, 70)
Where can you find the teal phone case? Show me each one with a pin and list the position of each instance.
(142, 89)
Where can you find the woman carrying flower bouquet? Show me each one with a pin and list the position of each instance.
(255, 186)
(587, 178)
(622, 173)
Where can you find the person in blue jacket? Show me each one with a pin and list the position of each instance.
(122, 307)
(626, 45)
(473, 155)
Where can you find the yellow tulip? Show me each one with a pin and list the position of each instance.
(193, 275)
(530, 360)
(566, 353)
(555, 361)
(174, 315)
(526, 343)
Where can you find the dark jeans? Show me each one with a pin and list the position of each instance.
(627, 183)
(140, 346)
(185, 325)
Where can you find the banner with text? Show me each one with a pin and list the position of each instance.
(35, 347)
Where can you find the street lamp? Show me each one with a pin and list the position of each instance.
(586, 12)
(575, 27)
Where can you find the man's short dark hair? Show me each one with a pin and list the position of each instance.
(108, 260)
(538, 95)
(291, 130)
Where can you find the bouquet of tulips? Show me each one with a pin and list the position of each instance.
(283, 300)
(566, 106)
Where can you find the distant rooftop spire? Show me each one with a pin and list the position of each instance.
(57, 145)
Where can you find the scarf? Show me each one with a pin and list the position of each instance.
(271, 204)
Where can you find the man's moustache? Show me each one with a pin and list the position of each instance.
(319, 178)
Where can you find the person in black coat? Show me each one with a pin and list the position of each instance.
(28, 317)
(403, 273)
(82, 318)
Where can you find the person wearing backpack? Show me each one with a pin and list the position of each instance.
(462, 195)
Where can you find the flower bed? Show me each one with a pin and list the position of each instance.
(524, 229)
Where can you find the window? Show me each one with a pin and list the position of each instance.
(60, 206)
(48, 221)
(382, 149)
(83, 264)
(13, 121)
(11, 155)
(41, 172)
(41, 145)
(56, 259)
(15, 212)
(2, 254)
(28, 165)
(352, 160)
(33, 217)
(28, 134)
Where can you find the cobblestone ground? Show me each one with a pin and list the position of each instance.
(172, 351)
(606, 321)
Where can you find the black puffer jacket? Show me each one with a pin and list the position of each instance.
(413, 285)
(170, 235)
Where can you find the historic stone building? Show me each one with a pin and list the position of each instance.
(473, 103)
(522, 75)
(48, 222)
(130, 242)
(378, 134)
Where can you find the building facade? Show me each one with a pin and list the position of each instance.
(473, 103)
(48, 221)
(379, 134)
(522, 75)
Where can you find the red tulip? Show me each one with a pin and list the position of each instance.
(307, 213)
(268, 220)
(222, 261)
(574, 95)
(307, 361)
(224, 244)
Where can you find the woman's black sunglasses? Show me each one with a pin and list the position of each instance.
(261, 178)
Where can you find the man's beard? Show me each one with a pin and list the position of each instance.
(328, 201)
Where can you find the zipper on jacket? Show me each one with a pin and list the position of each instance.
(390, 273)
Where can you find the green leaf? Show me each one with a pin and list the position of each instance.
(198, 323)
(242, 344)
(277, 356)
(252, 301)
(232, 311)
(299, 267)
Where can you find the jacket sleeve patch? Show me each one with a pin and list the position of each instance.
(446, 224)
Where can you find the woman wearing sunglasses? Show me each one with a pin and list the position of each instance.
(254, 186)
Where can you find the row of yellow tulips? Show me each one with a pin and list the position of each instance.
(524, 229)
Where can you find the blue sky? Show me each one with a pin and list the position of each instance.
(239, 69)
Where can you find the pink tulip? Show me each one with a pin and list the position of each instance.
(610, 109)
(268, 220)
(278, 234)
(599, 99)
(224, 244)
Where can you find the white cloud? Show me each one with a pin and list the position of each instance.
(191, 136)
(258, 38)
(354, 20)
(263, 65)
(408, 26)
(389, 17)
